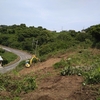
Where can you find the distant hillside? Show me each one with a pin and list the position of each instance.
(41, 41)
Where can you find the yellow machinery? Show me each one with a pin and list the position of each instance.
(29, 62)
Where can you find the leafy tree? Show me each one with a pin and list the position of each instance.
(22, 25)
(21, 37)
(95, 32)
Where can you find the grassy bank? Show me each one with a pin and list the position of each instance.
(7, 56)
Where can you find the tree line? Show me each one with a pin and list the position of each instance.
(46, 41)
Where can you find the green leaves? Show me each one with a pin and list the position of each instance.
(29, 84)
(15, 87)
(93, 76)
(21, 36)
(60, 64)
(84, 63)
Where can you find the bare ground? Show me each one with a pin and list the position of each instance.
(52, 86)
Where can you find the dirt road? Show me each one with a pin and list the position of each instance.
(22, 55)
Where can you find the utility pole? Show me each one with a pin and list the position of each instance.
(36, 46)
(32, 43)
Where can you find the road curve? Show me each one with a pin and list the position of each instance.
(23, 56)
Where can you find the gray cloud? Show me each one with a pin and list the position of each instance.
(51, 14)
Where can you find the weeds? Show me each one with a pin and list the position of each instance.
(20, 66)
(60, 64)
(80, 65)
(93, 76)
(15, 87)
(29, 84)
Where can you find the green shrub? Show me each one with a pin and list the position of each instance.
(15, 87)
(43, 58)
(70, 70)
(67, 71)
(2, 50)
(60, 64)
(5, 61)
(29, 84)
(93, 76)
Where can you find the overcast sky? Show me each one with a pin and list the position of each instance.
(51, 14)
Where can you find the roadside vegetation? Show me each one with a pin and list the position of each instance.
(7, 56)
(84, 60)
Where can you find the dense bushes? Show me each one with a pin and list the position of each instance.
(23, 37)
(94, 31)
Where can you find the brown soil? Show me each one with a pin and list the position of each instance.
(40, 66)
(46, 64)
(53, 86)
